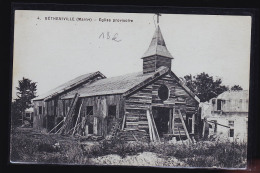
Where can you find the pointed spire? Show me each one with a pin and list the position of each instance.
(157, 45)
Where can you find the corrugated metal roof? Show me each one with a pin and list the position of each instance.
(68, 85)
(113, 85)
(157, 45)
(234, 95)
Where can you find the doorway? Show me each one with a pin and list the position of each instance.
(50, 122)
(162, 119)
(111, 117)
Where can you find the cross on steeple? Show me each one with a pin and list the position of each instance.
(157, 54)
(158, 14)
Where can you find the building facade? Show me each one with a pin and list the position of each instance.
(227, 115)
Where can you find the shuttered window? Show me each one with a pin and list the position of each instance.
(112, 111)
(40, 110)
(231, 133)
(219, 104)
(231, 130)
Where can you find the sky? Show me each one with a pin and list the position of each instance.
(52, 52)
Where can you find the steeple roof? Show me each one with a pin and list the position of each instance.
(157, 45)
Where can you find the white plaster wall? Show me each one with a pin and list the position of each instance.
(240, 126)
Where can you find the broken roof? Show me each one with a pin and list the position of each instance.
(234, 95)
(118, 85)
(125, 84)
(68, 85)
(157, 45)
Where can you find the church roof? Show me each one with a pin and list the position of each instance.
(157, 45)
(124, 84)
(68, 85)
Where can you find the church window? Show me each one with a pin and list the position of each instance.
(163, 92)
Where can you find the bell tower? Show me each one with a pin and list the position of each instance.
(157, 54)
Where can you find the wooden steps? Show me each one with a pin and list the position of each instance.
(115, 129)
(134, 135)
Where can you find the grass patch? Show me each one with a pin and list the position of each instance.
(42, 148)
(29, 146)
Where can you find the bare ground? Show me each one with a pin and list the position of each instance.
(141, 159)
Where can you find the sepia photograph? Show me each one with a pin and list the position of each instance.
(130, 89)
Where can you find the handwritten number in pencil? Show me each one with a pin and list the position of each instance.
(108, 36)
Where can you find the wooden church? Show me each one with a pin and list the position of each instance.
(153, 103)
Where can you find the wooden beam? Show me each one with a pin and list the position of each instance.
(180, 135)
(73, 128)
(184, 126)
(123, 124)
(134, 136)
(56, 125)
(193, 124)
(154, 127)
(156, 75)
(173, 111)
(77, 118)
(203, 128)
(69, 87)
(69, 114)
(185, 87)
(219, 124)
(149, 126)
(170, 122)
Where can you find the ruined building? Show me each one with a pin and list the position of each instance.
(154, 102)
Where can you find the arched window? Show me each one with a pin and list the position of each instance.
(163, 92)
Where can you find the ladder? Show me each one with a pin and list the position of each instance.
(184, 126)
(65, 129)
(115, 129)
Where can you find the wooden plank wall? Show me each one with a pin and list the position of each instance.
(133, 106)
(163, 61)
(37, 118)
(149, 64)
(100, 107)
(55, 106)
(137, 104)
(168, 81)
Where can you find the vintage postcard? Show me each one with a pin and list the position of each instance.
(130, 89)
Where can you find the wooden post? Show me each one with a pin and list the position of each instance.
(203, 128)
(123, 124)
(193, 123)
(215, 127)
(56, 126)
(184, 126)
(154, 127)
(77, 118)
(170, 122)
(86, 130)
(69, 115)
(173, 111)
(180, 135)
(149, 125)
